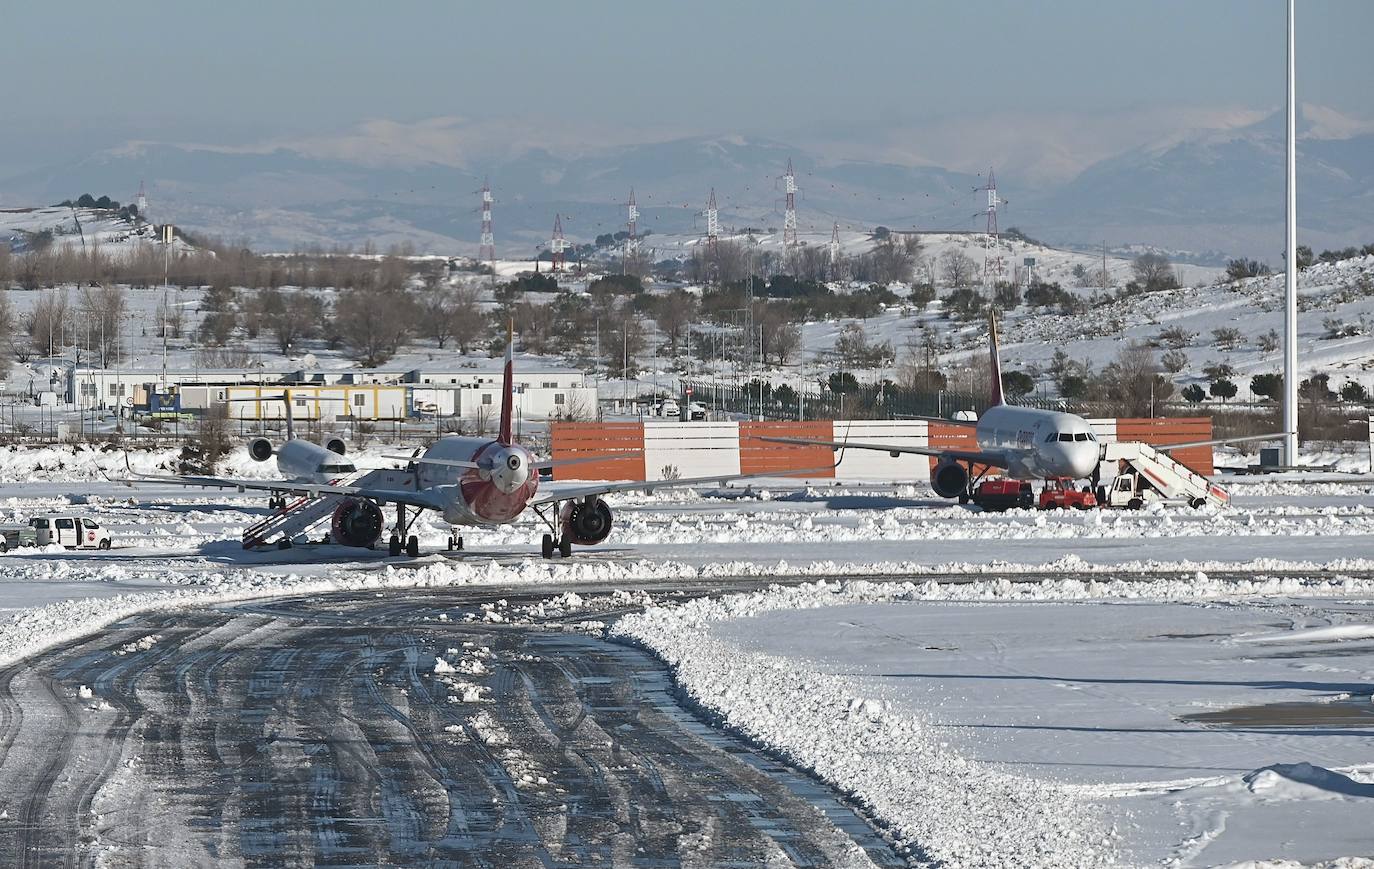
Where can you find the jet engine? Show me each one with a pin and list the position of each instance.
(356, 522)
(586, 524)
(949, 480)
(336, 444)
(260, 449)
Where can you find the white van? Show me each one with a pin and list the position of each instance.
(70, 530)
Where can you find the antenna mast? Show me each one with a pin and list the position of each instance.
(557, 245)
(486, 251)
(632, 240)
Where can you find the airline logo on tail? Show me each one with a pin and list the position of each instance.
(996, 370)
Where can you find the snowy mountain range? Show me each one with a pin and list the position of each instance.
(1218, 191)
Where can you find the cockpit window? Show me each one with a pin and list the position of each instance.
(1081, 436)
(1065, 436)
(1054, 436)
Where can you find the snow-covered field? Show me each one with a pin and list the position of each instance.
(1001, 689)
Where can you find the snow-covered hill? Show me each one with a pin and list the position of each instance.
(78, 228)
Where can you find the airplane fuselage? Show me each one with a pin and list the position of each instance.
(1039, 444)
(303, 461)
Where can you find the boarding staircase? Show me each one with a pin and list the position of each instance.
(1173, 479)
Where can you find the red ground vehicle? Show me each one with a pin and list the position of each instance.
(1061, 495)
(997, 495)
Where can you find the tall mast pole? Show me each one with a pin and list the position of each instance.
(1290, 310)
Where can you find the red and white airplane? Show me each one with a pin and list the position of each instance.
(470, 481)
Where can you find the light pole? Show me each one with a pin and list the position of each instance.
(1290, 308)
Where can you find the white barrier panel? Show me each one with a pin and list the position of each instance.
(690, 449)
(879, 467)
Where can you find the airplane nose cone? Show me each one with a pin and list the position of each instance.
(1084, 461)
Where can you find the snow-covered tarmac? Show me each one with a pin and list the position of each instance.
(971, 725)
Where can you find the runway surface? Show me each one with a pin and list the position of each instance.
(317, 732)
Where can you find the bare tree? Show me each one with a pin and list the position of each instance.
(674, 314)
(468, 325)
(1153, 272)
(104, 308)
(299, 317)
(213, 435)
(46, 321)
(957, 268)
(434, 313)
(372, 323)
(781, 337)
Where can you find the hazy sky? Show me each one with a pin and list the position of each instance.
(88, 75)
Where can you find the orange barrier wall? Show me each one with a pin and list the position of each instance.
(947, 436)
(576, 440)
(1173, 430)
(762, 457)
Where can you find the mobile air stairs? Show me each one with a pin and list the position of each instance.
(308, 511)
(1145, 475)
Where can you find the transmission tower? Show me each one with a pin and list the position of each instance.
(142, 203)
(789, 216)
(712, 224)
(992, 253)
(632, 240)
(486, 251)
(557, 244)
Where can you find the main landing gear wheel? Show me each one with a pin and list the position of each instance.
(455, 544)
(393, 546)
(413, 546)
(565, 547)
(548, 546)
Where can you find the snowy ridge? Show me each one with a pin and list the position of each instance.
(938, 806)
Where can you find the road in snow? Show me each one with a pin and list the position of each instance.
(399, 729)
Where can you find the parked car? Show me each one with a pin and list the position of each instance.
(667, 407)
(695, 411)
(71, 530)
(14, 536)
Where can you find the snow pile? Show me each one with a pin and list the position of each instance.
(935, 803)
(1303, 781)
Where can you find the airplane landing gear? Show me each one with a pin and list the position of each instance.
(565, 547)
(455, 544)
(548, 546)
(393, 546)
(413, 546)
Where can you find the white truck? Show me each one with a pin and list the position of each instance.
(71, 530)
(1145, 475)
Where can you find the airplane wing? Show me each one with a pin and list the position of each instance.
(993, 458)
(1164, 448)
(409, 497)
(572, 491)
(966, 423)
(544, 465)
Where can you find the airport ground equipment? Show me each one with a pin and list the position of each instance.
(352, 521)
(1062, 495)
(1000, 494)
(1146, 475)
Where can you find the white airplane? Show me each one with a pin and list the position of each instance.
(300, 460)
(1025, 442)
(470, 481)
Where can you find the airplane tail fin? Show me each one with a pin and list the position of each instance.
(996, 360)
(508, 387)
